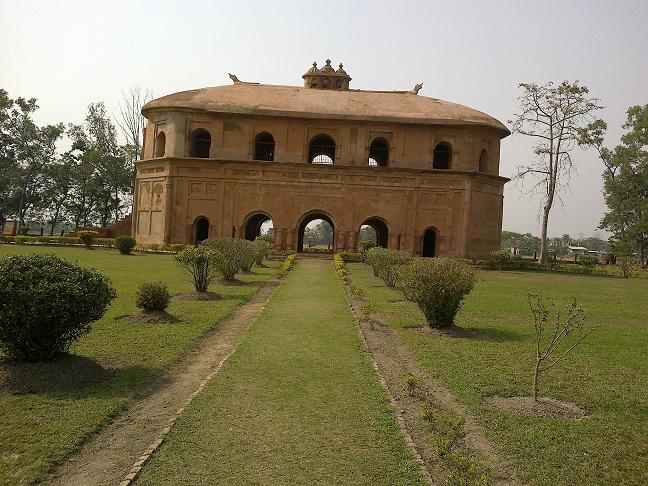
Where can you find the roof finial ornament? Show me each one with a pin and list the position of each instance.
(416, 89)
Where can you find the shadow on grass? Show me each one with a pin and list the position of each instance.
(233, 283)
(67, 373)
(484, 333)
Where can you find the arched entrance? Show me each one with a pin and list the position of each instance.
(325, 229)
(379, 228)
(201, 229)
(429, 243)
(257, 224)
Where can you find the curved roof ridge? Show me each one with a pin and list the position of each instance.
(301, 102)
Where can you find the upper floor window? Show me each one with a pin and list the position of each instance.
(442, 156)
(379, 153)
(264, 146)
(200, 143)
(160, 143)
(483, 161)
(321, 150)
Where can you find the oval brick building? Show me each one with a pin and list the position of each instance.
(423, 172)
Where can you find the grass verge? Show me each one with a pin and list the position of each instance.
(605, 375)
(45, 419)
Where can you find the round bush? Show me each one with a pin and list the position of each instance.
(376, 258)
(249, 254)
(263, 247)
(46, 303)
(365, 245)
(87, 237)
(125, 244)
(438, 286)
(588, 261)
(152, 296)
(228, 255)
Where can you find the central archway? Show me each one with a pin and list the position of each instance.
(310, 217)
(380, 229)
(201, 229)
(257, 224)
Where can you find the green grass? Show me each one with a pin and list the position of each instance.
(39, 430)
(606, 375)
(297, 403)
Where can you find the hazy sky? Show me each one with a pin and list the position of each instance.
(68, 54)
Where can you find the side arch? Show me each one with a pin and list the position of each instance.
(430, 242)
(252, 224)
(381, 227)
(200, 228)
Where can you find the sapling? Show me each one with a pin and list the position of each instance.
(552, 352)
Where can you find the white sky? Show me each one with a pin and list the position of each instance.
(70, 53)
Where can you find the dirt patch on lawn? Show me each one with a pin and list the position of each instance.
(66, 373)
(107, 457)
(199, 296)
(395, 363)
(153, 317)
(545, 407)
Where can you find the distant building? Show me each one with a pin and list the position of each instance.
(220, 161)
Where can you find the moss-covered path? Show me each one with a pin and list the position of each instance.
(297, 403)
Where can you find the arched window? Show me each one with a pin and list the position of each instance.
(379, 153)
(483, 161)
(442, 156)
(201, 229)
(264, 146)
(321, 150)
(160, 142)
(429, 243)
(314, 83)
(200, 143)
(326, 84)
(338, 83)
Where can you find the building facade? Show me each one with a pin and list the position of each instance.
(424, 173)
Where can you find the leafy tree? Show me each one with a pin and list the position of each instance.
(558, 117)
(26, 151)
(626, 182)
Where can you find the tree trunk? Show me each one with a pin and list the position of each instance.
(536, 380)
(543, 235)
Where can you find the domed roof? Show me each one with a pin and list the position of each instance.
(313, 69)
(298, 102)
(328, 69)
(341, 71)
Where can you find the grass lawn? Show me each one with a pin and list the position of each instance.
(607, 374)
(297, 403)
(38, 430)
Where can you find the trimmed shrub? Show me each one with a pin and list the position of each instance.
(152, 296)
(438, 286)
(287, 265)
(177, 247)
(228, 255)
(249, 254)
(46, 303)
(365, 245)
(351, 257)
(125, 244)
(23, 230)
(197, 262)
(263, 247)
(388, 263)
(500, 259)
(87, 237)
(267, 238)
(587, 261)
(340, 267)
(375, 258)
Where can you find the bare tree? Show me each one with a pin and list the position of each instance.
(572, 323)
(132, 121)
(556, 116)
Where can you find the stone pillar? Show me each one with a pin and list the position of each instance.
(168, 209)
(290, 239)
(280, 237)
(352, 240)
(394, 241)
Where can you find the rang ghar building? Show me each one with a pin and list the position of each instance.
(221, 161)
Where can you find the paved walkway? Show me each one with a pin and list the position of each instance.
(297, 403)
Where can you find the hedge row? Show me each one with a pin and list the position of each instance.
(55, 240)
